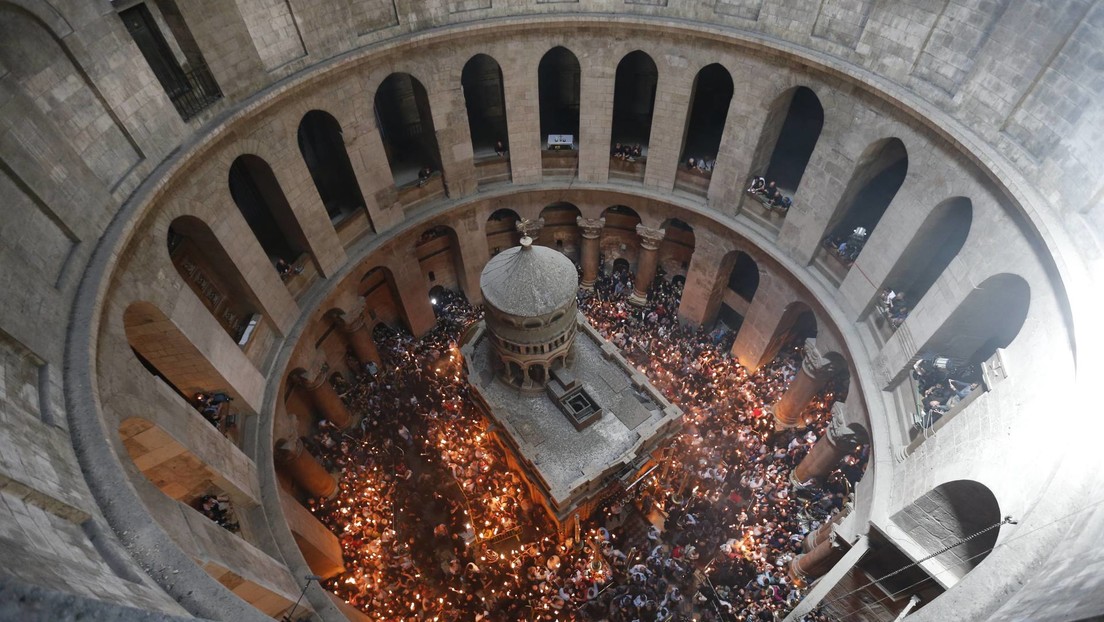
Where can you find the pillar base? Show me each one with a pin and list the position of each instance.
(589, 287)
(638, 301)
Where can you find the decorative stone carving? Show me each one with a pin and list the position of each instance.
(591, 227)
(650, 237)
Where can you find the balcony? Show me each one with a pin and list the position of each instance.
(195, 93)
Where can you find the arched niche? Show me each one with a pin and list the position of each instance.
(797, 323)
(619, 239)
(947, 514)
(262, 203)
(438, 253)
(932, 248)
(677, 248)
(873, 184)
(406, 127)
(502, 231)
(634, 94)
(558, 76)
(485, 101)
(68, 107)
(988, 318)
(322, 146)
(207, 269)
(561, 229)
(788, 138)
(382, 303)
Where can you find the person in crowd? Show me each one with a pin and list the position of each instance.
(424, 175)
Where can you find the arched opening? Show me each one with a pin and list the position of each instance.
(485, 100)
(561, 229)
(948, 514)
(536, 374)
(262, 203)
(788, 138)
(874, 183)
(406, 129)
(207, 269)
(932, 248)
(619, 240)
(323, 149)
(558, 88)
(676, 249)
(381, 298)
(948, 372)
(621, 265)
(502, 231)
(634, 94)
(438, 253)
(798, 323)
(709, 101)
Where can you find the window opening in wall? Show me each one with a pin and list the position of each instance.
(187, 81)
(558, 91)
(485, 100)
(432, 277)
(323, 147)
(406, 128)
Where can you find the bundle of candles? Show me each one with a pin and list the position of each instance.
(435, 525)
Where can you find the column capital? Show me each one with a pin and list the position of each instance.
(842, 432)
(300, 378)
(288, 449)
(817, 365)
(650, 237)
(591, 227)
(530, 227)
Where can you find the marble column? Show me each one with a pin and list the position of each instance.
(838, 441)
(297, 463)
(356, 334)
(807, 567)
(592, 230)
(323, 398)
(646, 263)
(816, 370)
(824, 531)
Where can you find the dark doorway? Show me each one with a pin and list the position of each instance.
(262, 203)
(558, 87)
(323, 149)
(709, 101)
(634, 94)
(406, 127)
(485, 101)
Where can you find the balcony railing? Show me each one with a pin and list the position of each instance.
(196, 93)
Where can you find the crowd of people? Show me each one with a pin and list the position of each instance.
(218, 509)
(703, 166)
(435, 525)
(942, 385)
(214, 406)
(847, 248)
(629, 153)
(769, 194)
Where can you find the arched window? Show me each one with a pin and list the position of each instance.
(438, 252)
(262, 203)
(798, 323)
(874, 183)
(406, 128)
(788, 138)
(744, 278)
(207, 269)
(948, 514)
(634, 94)
(558, 87)
(561, 229)
(709, 102)
(323, 149)
(502, 231)
(485, 101)
(988, 318)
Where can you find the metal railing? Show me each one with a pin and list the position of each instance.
(196, 93)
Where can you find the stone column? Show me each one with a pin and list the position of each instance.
(356, 335)
(592, 230)
(824, 531)
(646, 263)
(807, 567)
(815, 372)
(294, 460)
(838, 441)
(323, 397)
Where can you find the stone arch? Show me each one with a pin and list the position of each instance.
(634, 93)
(948, 513)
(502, 231)
(322, 145)
(932, 248)
(70, 105)
(788, 138)
(406, 127)
(207, 269)
(485, 101)
(561, 229)
(619, 240)
(874, 183)
(739, 275)
(437, 250)
(558, 90)
(988, 318)
(710, 98)
(261, 201)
